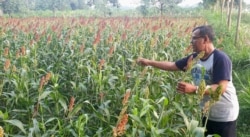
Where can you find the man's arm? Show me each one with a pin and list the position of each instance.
(185, 87)
(164, 65)
(222, 83)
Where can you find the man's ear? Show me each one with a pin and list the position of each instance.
(206, 38)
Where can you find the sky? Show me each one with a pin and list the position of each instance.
(185, 3)
(129, 3)
(189, 3)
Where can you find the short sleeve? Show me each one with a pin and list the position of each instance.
(222, 68)
(182, 63)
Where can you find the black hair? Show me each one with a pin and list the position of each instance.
(206, 30)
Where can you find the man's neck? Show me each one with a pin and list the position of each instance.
(209, 50)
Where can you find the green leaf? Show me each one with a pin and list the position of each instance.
(34, 131)
(185, 118)
(199, 131)
(51, 119)
(137, 119)
(156, 114)
(76, 109)
(193, 125)
(214, 135)
(44, 95)
(135, 111)
(145, 110)
(165, 101)
(4, 116)
(16, 123)
(63, 103)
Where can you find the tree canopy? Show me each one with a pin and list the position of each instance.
(22, 6)
(19, 6)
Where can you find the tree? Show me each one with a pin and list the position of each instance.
(13, 6)
(230, 14)
(1, 11)
(115, 3)
(166, 5)
(238, 23)
(1, 3)
(143, 10)
(60, 4)
(78, 4)
(52, 5)
(19, 6)
(209, 4)
(222, 8)
(162, 5)
(97, 3)
(81, 4)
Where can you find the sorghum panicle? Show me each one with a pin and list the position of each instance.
(120, 129)
(1, 132)
(71, 104)
(23, 51)
(101, 64)
(7, 64)
(111, 50)
(47, 77)
(202, 88)
(215, 95)
(126, 97)
(6, 52)
(42, 82)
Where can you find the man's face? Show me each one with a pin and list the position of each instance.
(197, 41)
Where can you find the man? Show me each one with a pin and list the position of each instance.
(223, 114)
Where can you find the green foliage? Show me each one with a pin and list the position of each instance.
(244, 96)
(52, 5)
(55, 46)
(144, 10)
(161, 7)
(13, 6)
(167, 3)
(209, 3)
(240, 60)
(67, 76)
(23, 6)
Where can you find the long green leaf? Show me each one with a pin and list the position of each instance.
(16, 123)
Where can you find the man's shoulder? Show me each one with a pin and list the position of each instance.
(219, 54)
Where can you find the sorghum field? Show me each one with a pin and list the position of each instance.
(78, 76)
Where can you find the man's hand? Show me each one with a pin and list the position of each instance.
(143, 61)
(163, 65)
(184, 87)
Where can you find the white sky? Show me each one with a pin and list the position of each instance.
(189, 3)
(247, 1)
(129, 3)
(186, 3)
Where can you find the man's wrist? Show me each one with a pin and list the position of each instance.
(196, 90)
(208, 87)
